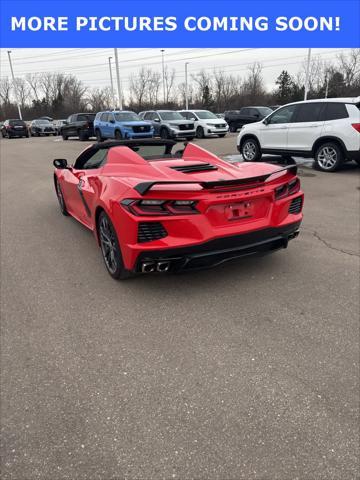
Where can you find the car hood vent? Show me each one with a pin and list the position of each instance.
(198, 167)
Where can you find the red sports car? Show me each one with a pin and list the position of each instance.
(155, 210)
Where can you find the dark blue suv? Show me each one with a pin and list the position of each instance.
(120, 125)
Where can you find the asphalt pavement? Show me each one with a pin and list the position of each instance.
(247, 371)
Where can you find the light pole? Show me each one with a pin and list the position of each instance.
(14, 83)
(307, 77)
(327, 85)
(112, 83)
(118, 78)
(163, 74)
(186, 87)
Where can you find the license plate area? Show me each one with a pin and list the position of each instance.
(248, 210)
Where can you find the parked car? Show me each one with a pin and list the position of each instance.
(41, 127)
(14, 128)
(58, 124)
(169, 124)
(327, 130)
(121, 124)
(79, 125)
(130, 193)
(220, 115)
(207, 124)
(237, 118)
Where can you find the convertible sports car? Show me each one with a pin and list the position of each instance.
(155, 210)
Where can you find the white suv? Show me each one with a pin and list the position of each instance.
(207, 124)
(327, 130)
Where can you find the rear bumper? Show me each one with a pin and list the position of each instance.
(218, 251)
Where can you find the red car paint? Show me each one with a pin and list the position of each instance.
(228, 211)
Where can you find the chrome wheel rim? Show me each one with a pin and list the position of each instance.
(108, 245)
(60, 196)
(249, 150)
(327, 158)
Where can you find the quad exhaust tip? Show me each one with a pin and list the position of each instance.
(150, 267)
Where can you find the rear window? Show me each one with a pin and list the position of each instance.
(335, 111)
(152, 152)
(17, 123)
(308, 112)
(85, 118)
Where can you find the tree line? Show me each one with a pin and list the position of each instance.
(58, 95)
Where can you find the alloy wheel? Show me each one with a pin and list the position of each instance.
(327, 158)
(108, 244)
(249, 150)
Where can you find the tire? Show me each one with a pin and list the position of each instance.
(328, 157)
(61, 199)
(110, 248)
(233, 128)
(250, 150)
(64, 137)
(200, 132)
(82, 136)
(357, 160)
(222, 135)
(118, 135)
(164, 133)
(27, 135)
(99, 138)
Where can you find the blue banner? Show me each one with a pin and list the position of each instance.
(166, 23)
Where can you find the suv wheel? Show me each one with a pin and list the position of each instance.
(250, 150)
(64, 137)
(200, 132)
(82, 136)
(328, 157)
(233, 127)
(99, 138)
(164, 133)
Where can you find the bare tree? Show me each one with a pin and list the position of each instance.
(23, 91)
(169, 83)
(350, 65)
(253, 87)
(100, 99)
(5, 91)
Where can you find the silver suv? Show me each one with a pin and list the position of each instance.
(169, 124)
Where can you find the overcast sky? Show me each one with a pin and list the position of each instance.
(91, 65)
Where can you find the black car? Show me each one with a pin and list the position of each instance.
(237, 118)
(79, 125)
(14, 128)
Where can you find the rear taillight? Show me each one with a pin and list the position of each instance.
(287, 189)
(155, 207)
(356, 126)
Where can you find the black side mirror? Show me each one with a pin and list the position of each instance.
(60, 163)
(266, 121)
(156, 119)
(112, 121)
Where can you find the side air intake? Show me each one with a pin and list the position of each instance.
(149, 231)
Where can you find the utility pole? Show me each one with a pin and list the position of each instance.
(112, 84)
(186, 87)
(307, 78)
(14, 83)
(118, 78)
(163, 74)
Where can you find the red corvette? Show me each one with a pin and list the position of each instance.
(152, 210)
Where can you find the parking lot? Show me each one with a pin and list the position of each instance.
(246, 371)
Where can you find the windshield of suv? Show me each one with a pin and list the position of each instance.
(126, 117)
(85, 117)
(205, 115)
(17, 123)
(265, 111)
(43, 122)
(171, 115)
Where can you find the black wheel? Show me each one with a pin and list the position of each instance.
(27, 135)
(233, 127)
(99, 138)
(164, 133)
(357, 160)
(110, 248)
(118, 135)
(64, 137)
(222, 135)
(328, 157)
(250, 150)
(60, 197)
(200, 132)
(82, 136)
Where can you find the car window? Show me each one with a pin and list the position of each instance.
(334, 111)
(254, 112)
(245, 111)
(205, 115)
(283, 115)
(308, 112)
(89, 159)
(104, 117)
(125, 117)
(85, 117)
(170, 115)
(148, 116)
(17, 123)
(185, 115)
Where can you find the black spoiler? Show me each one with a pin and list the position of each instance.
(144, 187)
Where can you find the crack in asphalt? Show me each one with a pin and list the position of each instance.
(315, 234)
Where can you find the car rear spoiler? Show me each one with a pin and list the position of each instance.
(249, 182)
